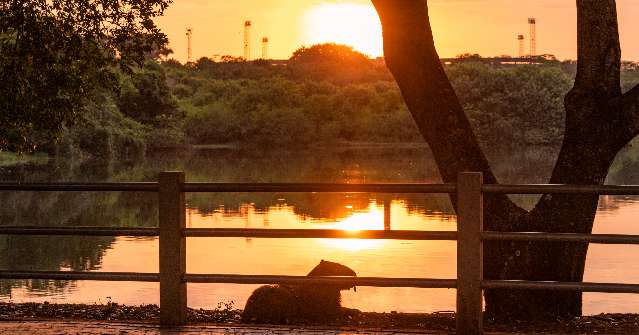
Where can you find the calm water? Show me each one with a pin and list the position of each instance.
(434, 259)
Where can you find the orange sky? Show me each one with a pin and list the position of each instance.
(487, 27)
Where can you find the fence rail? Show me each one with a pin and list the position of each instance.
(80, 187)
(78, 231)
(470, 235)
(415, 235)
(73, 275)
(298, 280)
(318, 187)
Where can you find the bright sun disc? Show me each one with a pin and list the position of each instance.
(355, 25)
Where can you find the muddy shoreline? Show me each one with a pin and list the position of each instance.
(226, 314)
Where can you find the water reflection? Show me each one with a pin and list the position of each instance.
(433, 259)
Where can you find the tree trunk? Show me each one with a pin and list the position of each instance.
(599, 122)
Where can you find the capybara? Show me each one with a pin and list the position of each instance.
(284, 304)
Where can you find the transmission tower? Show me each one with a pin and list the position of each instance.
(247, 40)
(189, 50)
(265, 48)
(522, 48)
(533, 36)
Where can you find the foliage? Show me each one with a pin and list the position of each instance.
(54, 53)
(335, 63)
(146, 98)
(284, 112)
(508, 105)
(9, 158)
(519, 105)
(103, 132)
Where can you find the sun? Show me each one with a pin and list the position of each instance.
(356, 25)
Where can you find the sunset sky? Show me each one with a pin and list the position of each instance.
(487, 27)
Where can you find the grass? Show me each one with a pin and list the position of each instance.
(11, 158)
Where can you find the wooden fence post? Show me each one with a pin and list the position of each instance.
(387, 214)
(172, 249)
(469, 253)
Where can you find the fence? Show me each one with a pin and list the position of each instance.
(172, 233)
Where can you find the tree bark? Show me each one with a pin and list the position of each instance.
(599, 122)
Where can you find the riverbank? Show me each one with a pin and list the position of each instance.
(227, 316)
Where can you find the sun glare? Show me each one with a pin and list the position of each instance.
(355, 25)
(371, 219)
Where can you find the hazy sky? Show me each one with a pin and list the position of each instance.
(487, 27)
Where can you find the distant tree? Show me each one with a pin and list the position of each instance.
(53, 53)
(172, 63)
(232, 59)
(333, 62)
(600, 120)
(469, 56)
(147, 98)
(329, 53)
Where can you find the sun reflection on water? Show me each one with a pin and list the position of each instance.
(370, 219)
(352, 219)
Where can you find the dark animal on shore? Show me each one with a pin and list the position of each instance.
(284, 304)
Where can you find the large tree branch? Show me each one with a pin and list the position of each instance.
(596, 124)
(599, 50)
(411, 56)
(593, 131)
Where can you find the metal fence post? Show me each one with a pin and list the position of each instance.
(469, 253)
(172, 249)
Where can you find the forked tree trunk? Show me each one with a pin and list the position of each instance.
(599, 122)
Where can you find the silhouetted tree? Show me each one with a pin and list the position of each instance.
(333, 62)
(54, 53)
(600, 120)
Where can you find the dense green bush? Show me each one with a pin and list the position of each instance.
(282, 111)
(146, 98)
(104, 133)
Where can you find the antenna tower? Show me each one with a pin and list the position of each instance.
(247, 40)
(522, 48)
(533, 36)
(265, 48)
(189, 50)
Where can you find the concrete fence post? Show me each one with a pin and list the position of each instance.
(469, 253)
(172, 249)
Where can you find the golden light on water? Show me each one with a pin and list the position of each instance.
(356, 25)
(371, 219)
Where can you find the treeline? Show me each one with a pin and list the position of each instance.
(327, 94)
(331, 94)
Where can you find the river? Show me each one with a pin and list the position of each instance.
(408, 164)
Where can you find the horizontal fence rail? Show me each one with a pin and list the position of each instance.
(322, 233)
(561, 189)
(80, 187)
(172, 233)
(561, 237)
(73, 275)
(561, 286)
(318, 187)
(78, 231)
(301, 280)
